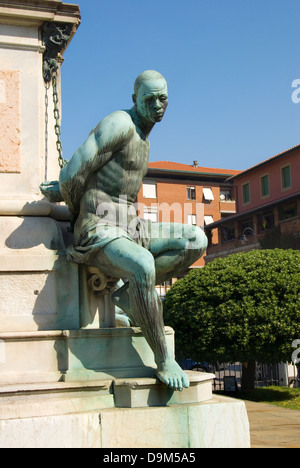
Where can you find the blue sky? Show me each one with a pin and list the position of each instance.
(229, 64)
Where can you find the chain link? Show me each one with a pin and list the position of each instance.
(61, 161)
(47, 85)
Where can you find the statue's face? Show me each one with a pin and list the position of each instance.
(152, 100)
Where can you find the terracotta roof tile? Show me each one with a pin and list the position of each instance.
(172, 166)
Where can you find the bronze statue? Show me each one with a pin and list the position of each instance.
(100, 185)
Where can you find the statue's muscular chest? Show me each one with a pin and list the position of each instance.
(134, 156)
(127, 167)
(123, 173)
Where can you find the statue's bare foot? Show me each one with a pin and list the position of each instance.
(171, 374)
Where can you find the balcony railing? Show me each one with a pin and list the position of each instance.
(227, 206)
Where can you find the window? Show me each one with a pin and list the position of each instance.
(265, 186)
(286, 178)
(265, 221)
(191, 193)
(192, 219)
(208, 195)
(208, 220)
(288, 211)
(228, 233)
(246, 193)
(151, 213)
(163, 288)
(226, 194)
(247, 228)
(149, 190)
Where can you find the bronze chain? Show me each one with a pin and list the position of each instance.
(61, 161)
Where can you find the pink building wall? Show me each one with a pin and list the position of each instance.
(273, 168)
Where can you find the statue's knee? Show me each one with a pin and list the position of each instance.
(199, 241)
(144, 269)
(201, 238)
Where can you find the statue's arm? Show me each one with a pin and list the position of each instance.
(73, 176)
(107, 138)
(51, 191)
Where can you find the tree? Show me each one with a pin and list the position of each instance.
(243, 308)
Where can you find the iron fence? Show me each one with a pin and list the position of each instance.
(266, 374)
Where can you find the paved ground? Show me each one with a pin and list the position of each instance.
(273, 427)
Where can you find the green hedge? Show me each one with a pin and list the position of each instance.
(243, 307)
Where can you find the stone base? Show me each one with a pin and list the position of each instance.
(76, 355)
(139, 413)
(110, 353)
(218, 423)
(54, 399)
(137, 393)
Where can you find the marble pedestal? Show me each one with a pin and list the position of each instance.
(139, 413)
(65, 382)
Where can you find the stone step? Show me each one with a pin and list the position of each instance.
(137, 393)
(76, 355)
(56, 398)
(46, 399)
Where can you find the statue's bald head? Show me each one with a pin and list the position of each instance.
(148, 75)
(150, 96)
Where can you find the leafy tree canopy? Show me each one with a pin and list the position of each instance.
(240, 308)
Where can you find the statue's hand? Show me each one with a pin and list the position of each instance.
(51, 191)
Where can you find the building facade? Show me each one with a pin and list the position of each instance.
(267, 208)
(188, 194)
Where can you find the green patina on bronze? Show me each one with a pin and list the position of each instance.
(100, 185)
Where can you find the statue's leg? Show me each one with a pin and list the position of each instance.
(127, 260)
(175, 248)
(121, 299)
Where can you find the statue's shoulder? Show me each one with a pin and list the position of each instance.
(115, 124)
(120, 118)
